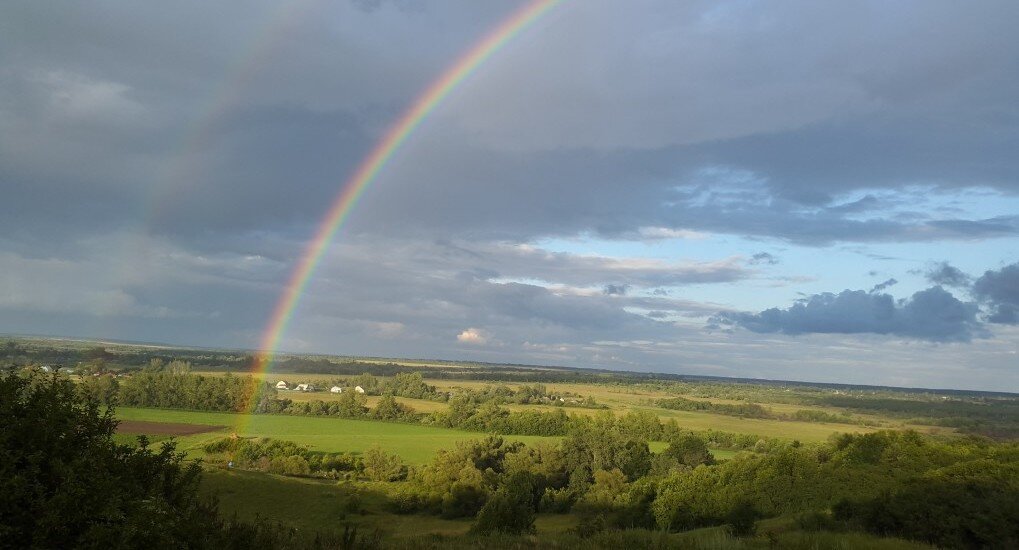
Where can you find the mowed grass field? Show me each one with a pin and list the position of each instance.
(415, 444)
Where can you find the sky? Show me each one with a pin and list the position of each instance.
(787, 190)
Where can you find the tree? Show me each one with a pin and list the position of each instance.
(382, 466)
(463, 499)
(742, 519)
(608, 490)
(352, 405)
(689, 450)
(179, 367)
(389, 408)
(102, 389)
(510, 510)
(65, 483)
(368, 382)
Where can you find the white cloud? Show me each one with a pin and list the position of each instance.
(78, 96)
(472, 336)
(669, 233)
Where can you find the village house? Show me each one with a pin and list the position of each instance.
(305, 387)
(282, 385)
(358, 389)
(335, 389)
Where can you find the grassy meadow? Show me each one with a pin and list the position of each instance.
(415, 443)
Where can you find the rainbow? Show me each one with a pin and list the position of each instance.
(373, 164)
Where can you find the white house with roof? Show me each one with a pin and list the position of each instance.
(358, 389)
(335, 389)
(282, 385)
(305, 387)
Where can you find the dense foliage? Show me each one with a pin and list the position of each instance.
(957, 494)
(284, 457)
(974, 504)
(65, 483)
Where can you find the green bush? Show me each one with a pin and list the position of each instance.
(510, 510)
(463, 500)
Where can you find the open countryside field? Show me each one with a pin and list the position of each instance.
(622, 399)
(414, 443)
(411, 505)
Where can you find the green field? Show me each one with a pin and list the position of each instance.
(414, 443)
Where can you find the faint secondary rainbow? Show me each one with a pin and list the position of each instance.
(370, 167)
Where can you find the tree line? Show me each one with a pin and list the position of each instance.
(755, 410)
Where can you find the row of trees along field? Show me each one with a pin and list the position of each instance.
(755, 410)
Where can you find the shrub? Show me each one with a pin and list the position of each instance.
(556, 501)
(510, 510)
(463, 500)
(382, 466)
(742, 519)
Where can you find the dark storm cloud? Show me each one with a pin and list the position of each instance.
(310, 108)
(569, 192)
(932, 314)
(881, 286)
(615, 290)
(286, 156)
(197, 121)
(763, 258)
(945, 274)
(1000, 290)
(297, 114)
